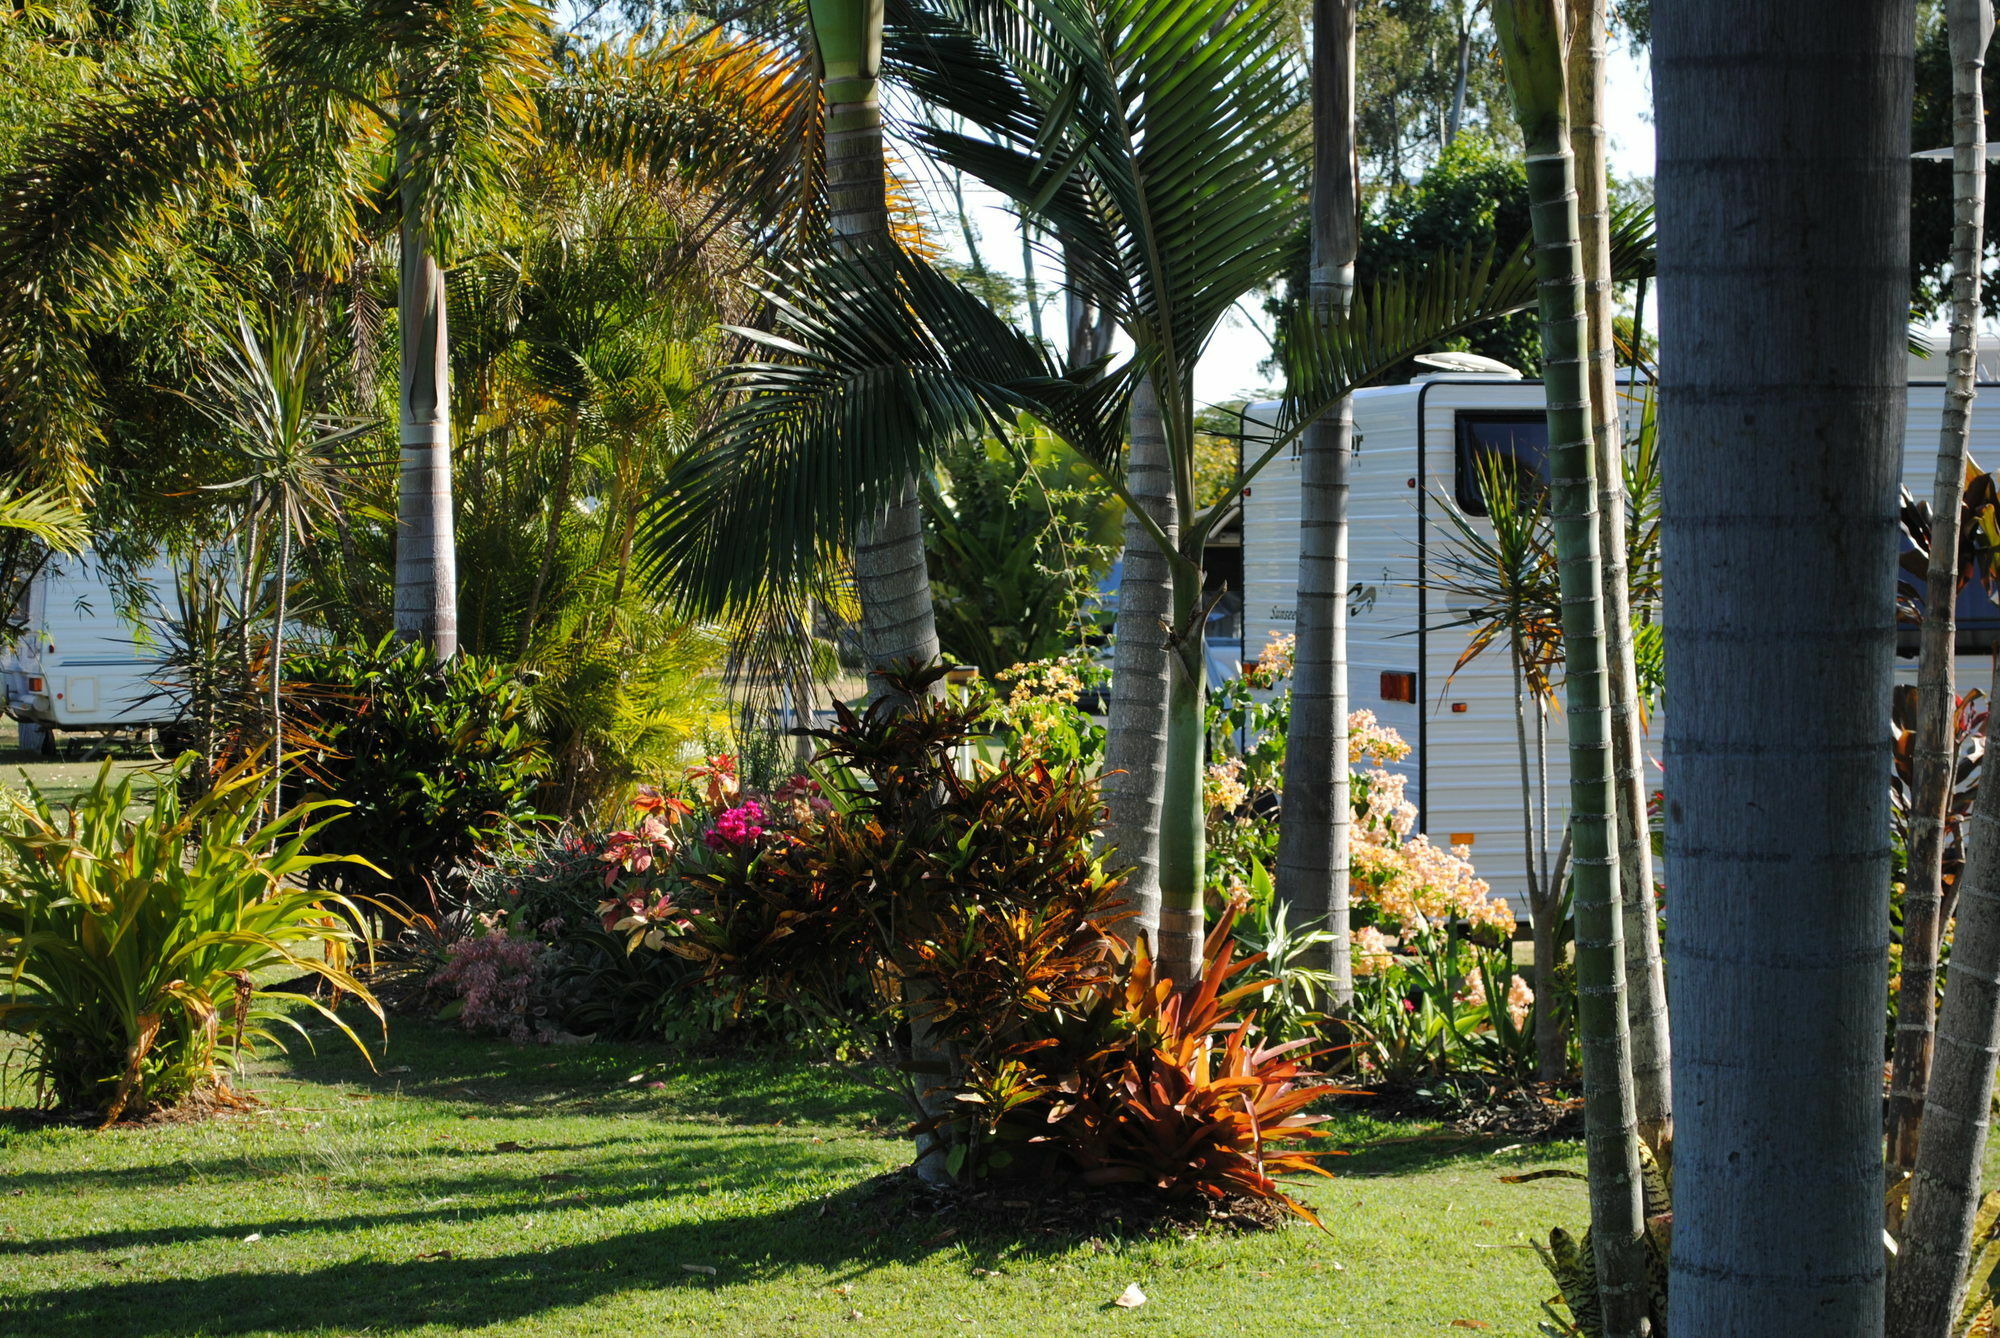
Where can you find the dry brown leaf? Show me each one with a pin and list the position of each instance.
(1470, 1324)
(706, 1270)
(1131, 1298)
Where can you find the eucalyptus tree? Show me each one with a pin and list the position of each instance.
(1970, 31)
(1533, 41)
(1783, 188)
(1312, 873)
(431, 110)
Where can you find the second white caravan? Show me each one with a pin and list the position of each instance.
(1416, 447)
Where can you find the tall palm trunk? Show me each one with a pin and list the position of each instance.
(1924, 1289)
(1531, 37)
(898, 620)
(1970, 24)
(1645, 973)
(1183, 816)
(1927, 1284)
(426, 557)
(1784, 249)
(1313, 838)
(1135, 749)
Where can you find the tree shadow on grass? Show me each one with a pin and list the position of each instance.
(846, 1235)
(733, 1164)
(759, 1085)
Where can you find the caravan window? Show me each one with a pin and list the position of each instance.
(1521, 439)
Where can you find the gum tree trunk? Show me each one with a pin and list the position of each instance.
(1784, 287)
(1645, 973)
(1531, 40)
(1970, 27)
(898, 621)
(1313, 836)
(1135, 753)
(426, 557)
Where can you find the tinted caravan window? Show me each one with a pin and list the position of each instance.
(1520, 439)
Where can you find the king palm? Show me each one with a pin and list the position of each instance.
(1158, 143)
(455, 99)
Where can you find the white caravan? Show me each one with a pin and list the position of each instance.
(81, 664)
(1414, 448)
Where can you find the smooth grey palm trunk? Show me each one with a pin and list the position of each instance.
(1952, 1109)
(426, 556)
(1783, 188)
(1312, 873)
(891, 577)
(1928, 1283)
(1645, 973)
(1135, 753)
(1936, 762)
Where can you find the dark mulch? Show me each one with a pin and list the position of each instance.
(1066, 1210)
(1529, 1112)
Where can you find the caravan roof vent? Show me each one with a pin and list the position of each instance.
(1467, 364)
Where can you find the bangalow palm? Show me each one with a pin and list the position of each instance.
(866, 368)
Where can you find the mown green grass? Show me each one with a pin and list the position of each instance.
(474, 1187)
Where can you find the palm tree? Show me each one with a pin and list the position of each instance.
(1161, 148)
(898, 620)
(1784, 262)
(459, 99)
(1160, 145)
(1532, 43)
(1645, 973)
(1970, 29)
(265, 392)
(1312, 867)
(1951, 1105)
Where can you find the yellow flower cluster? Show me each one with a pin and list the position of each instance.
(1370, 741)
(1413, 883)
(1520, 999)
(1373, 951)
(1274, 663)
(1044, 681)
(1222, 787)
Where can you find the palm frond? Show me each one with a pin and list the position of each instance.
(869, 366)
(1164, 144)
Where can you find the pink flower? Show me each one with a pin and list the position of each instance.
(737, 826)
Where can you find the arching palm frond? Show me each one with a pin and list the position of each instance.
(869, 366)
(1162, 143)
(45, 514)
(706, 109)
(94, 203)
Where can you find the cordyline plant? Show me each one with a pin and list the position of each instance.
(966, 920)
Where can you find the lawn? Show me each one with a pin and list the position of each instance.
(478, 1187)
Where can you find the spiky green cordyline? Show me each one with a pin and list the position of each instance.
(1531, 40)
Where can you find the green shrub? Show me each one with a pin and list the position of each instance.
(435, 761)
(137, 945)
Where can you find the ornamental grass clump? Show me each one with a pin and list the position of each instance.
(141, 947)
